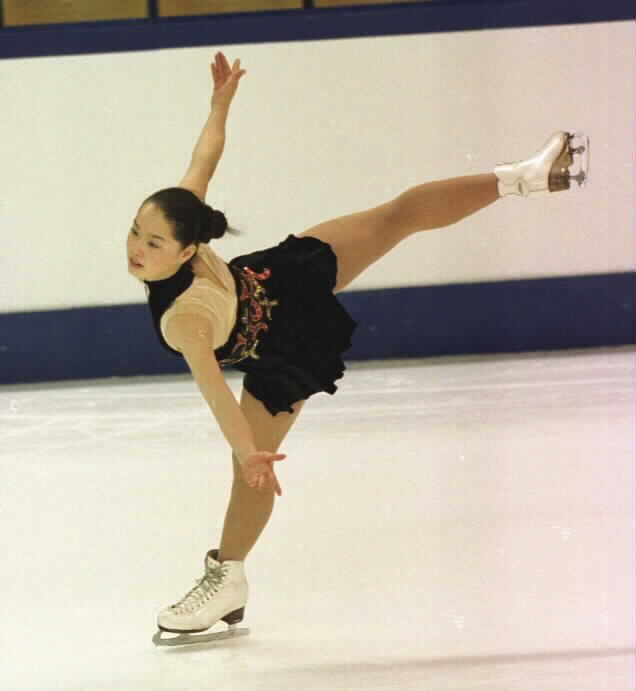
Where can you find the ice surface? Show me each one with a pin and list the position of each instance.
(458, 523)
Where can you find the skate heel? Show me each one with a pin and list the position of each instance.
(557, 182)
(235, 617)
(577, 158)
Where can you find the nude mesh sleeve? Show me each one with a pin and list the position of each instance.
(212, 332)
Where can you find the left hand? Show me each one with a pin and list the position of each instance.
(225, 79)
(258, 470)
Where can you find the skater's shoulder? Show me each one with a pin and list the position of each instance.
(189, 329)
(201, 311)
(207, 264)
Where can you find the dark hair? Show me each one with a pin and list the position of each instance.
(193, 220)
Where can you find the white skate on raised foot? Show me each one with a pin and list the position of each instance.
(549, 170)
(219, 596)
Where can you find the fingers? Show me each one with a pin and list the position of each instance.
(261, 475)
(220, 66)
(277, 487)
(267, 480)
(220, 59)
(221, 63)
(274, 484)
(221, 70)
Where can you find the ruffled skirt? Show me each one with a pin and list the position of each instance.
(290, 330)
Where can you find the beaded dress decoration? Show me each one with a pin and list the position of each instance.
(254, 313)
(254, 310)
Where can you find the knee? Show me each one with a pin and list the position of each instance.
(397, 218)
(239, 486)
(238, 474)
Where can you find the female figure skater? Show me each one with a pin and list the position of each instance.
(273, 315)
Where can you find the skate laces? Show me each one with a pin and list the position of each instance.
(204, 589)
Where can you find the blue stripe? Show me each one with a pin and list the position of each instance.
(303, 25)
(497, 317)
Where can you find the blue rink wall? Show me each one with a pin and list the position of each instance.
(476, 318)
(556, 313)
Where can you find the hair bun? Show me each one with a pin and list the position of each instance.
(213, 224)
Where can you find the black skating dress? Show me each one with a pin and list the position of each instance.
(290, 331)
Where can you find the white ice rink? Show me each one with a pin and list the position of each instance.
(445, 524)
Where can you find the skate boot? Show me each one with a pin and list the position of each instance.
(551, 169)
(219, 596)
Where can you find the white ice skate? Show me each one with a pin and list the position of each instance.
(219, 596)
(549, 170)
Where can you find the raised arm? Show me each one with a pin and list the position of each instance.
(209, 147)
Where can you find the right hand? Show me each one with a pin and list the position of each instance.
(258, 470)
(225, 79)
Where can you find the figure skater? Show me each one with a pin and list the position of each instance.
(273, 315)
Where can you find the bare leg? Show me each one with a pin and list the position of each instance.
(246, 517)
(360, 239)
(444, 202)
(250, 509)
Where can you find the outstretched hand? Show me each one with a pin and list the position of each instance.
(258, 470)
(226, 79)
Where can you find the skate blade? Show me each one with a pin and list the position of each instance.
(572, 164)
(579, 147)
(165, 638)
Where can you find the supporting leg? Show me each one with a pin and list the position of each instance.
(250, 509)
(247, 515)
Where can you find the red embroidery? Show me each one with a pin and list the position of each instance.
(255, 310)
(266, 274)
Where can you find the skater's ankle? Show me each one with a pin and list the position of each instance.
(224, 557)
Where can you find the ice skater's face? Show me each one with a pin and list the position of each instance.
(153, 252)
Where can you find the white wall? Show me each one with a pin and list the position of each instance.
(317, 130)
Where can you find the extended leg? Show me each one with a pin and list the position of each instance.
(360, 239)
(444, 202)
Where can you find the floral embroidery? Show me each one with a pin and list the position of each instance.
(255, 310)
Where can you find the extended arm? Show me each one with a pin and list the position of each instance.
(211, 142)
(205, 159)
(192, 335)
(209, 147)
